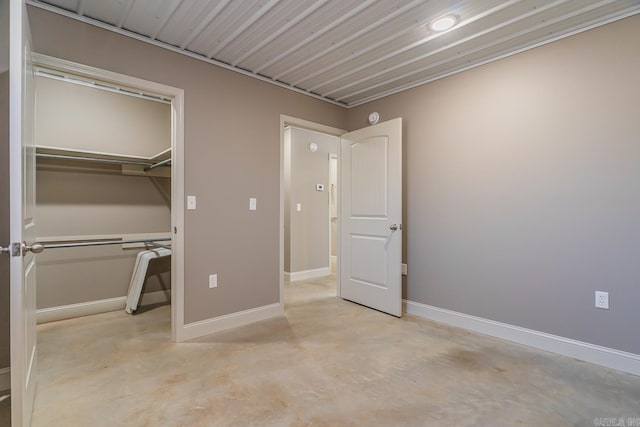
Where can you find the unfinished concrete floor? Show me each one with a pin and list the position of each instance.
(328, 363)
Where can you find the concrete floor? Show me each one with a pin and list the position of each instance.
(328, 363)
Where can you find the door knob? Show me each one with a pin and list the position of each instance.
(393, 227)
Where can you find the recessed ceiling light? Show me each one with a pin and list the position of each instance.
(444, 23)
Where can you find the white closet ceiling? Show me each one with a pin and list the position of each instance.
(345, 51)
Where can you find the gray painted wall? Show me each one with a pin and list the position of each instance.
(308, 234)
(232, 152)
(521, 184)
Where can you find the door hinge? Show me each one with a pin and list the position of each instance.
(14, 249)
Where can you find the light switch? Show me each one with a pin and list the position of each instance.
(253, 204)
(191, 202)
(299, 207)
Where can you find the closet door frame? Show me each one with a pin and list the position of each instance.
(176, 96)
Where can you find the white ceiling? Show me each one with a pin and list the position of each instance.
(346, 51)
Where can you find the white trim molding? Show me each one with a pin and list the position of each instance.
(307, 274)
(5, 379)
(53, 314)
(603, 356)
(230, 321)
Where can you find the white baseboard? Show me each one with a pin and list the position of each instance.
(5, 379)
(88, 308)
(229, 321)
(307, 274)
(604, 356)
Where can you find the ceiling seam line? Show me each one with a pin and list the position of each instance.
(316, 35)
(168, 16)
(126, 13)
(486, 45)
(447, 47)
(612, 18)
(174, 49)
(415, 44)
(318, 4)
(204, 24)
(354, 36)
(493, 43)
(263, 10)
(81, 6)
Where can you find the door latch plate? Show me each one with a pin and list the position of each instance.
(14, 249)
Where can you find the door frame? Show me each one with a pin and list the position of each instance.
(177, 168)
(286, 120)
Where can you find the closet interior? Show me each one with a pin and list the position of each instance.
(103, 197)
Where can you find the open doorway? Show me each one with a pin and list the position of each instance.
(369, 246)
(109, 151)
(310, 208)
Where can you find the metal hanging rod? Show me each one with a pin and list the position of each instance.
(158, 245)
(93, 159)
(162, 163)
(100, 243)
(148, 165)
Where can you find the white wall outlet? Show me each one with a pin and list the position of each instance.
(299, 207)
(253, 204)
(602, 300)
(213, 280)
(191, 202)
(404, 269)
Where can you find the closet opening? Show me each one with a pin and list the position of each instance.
(108, 190)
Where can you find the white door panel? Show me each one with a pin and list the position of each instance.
(22, 221)
(369, 260)
(369, 190)
(371, 203)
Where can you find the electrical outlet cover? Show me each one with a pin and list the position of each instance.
(602, 300)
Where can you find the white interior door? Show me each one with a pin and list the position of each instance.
(22, 225)
(371, 214)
